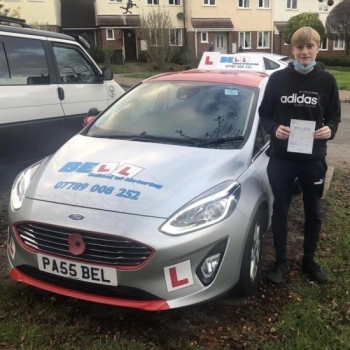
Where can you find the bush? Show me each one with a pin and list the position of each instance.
(308, 19)
(322, 65)
(97, 54)
(335, 61)
(142, 56)
(184, 56)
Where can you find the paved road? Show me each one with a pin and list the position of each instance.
(339, 148)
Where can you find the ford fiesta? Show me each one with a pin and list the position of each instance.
(159, 203)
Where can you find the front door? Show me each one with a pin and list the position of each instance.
(221, 43)
(130, 45)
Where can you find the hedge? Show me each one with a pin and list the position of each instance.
(335, 61)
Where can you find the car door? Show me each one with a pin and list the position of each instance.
(31, 116)
(80, 87)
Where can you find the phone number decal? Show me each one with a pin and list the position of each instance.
(80, 186)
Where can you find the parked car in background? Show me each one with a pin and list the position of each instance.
(47, 84)
(158, 203)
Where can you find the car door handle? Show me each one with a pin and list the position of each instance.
(60, 93)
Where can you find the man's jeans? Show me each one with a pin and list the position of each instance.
(282, 174)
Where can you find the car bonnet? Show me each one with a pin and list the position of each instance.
(133, 177)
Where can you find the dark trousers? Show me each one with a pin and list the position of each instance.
(282, 174)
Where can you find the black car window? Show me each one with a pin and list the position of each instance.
(73, 67)
(270, 65)
(23, 62)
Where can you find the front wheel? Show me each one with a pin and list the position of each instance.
(251, 263)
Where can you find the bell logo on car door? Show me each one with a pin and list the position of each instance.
(178, 276)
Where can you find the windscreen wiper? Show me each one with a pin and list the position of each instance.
(146, 138)
(219, 141)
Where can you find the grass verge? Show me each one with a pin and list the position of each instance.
(297, 315)
(319, 315)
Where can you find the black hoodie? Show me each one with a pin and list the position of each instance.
(292, 95)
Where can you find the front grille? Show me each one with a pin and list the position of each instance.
(99, 248)
(118, 292)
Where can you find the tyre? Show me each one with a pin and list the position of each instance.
(251, 263)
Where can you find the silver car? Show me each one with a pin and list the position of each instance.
(159, 203)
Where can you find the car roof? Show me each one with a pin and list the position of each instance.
(246, 78)
(36, 32)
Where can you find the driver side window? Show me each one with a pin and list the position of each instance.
(73, 66)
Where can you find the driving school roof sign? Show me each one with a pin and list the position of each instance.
(215, 60)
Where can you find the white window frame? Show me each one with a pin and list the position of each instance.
(326, 48)
(207, 39)
(244, 39)
(290, 5)
(243, 4)
(265, 4)
(208, 2)
(153, 2)
(115, 1)
(323, 6)
(268, 40)
(173, 2)
(107, 37)
(336, 44)
(179, 35)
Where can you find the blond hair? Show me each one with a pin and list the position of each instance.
(305, 35)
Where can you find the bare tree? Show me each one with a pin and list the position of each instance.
(338, 23)
(14, 13)
(156, 29)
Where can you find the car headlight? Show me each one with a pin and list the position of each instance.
(209, 208)
(21, 184)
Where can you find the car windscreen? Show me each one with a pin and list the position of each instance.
(191, 113)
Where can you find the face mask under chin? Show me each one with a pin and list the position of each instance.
(304, 68)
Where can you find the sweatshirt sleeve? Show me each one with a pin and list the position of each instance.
(267, 109)
(333, 110)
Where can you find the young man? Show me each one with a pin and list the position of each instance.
(301, 111)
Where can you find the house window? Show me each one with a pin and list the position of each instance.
(110, 34)
(339, 44)
(243, 3)
(323, 6)
(152, 2)
(115, 1)
(292, 4)
(209, 2)
(245, 40)
(204, 37)
(324, 44)
(263, 40)
(176, 37)
(264, 4)
(174, 2)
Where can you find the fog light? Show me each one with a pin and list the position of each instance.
(210, 265)
(207, 269)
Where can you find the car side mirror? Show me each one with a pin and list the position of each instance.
(107, 73)
(91, 116)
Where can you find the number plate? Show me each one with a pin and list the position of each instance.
(77, 271)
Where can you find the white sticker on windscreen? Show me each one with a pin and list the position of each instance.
(231, 92)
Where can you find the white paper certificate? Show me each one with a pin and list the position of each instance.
(301, 139)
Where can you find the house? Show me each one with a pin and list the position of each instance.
(226, 26)
(43, 14)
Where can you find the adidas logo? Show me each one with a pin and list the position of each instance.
(308, 100)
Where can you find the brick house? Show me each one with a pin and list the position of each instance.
(226, 26)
